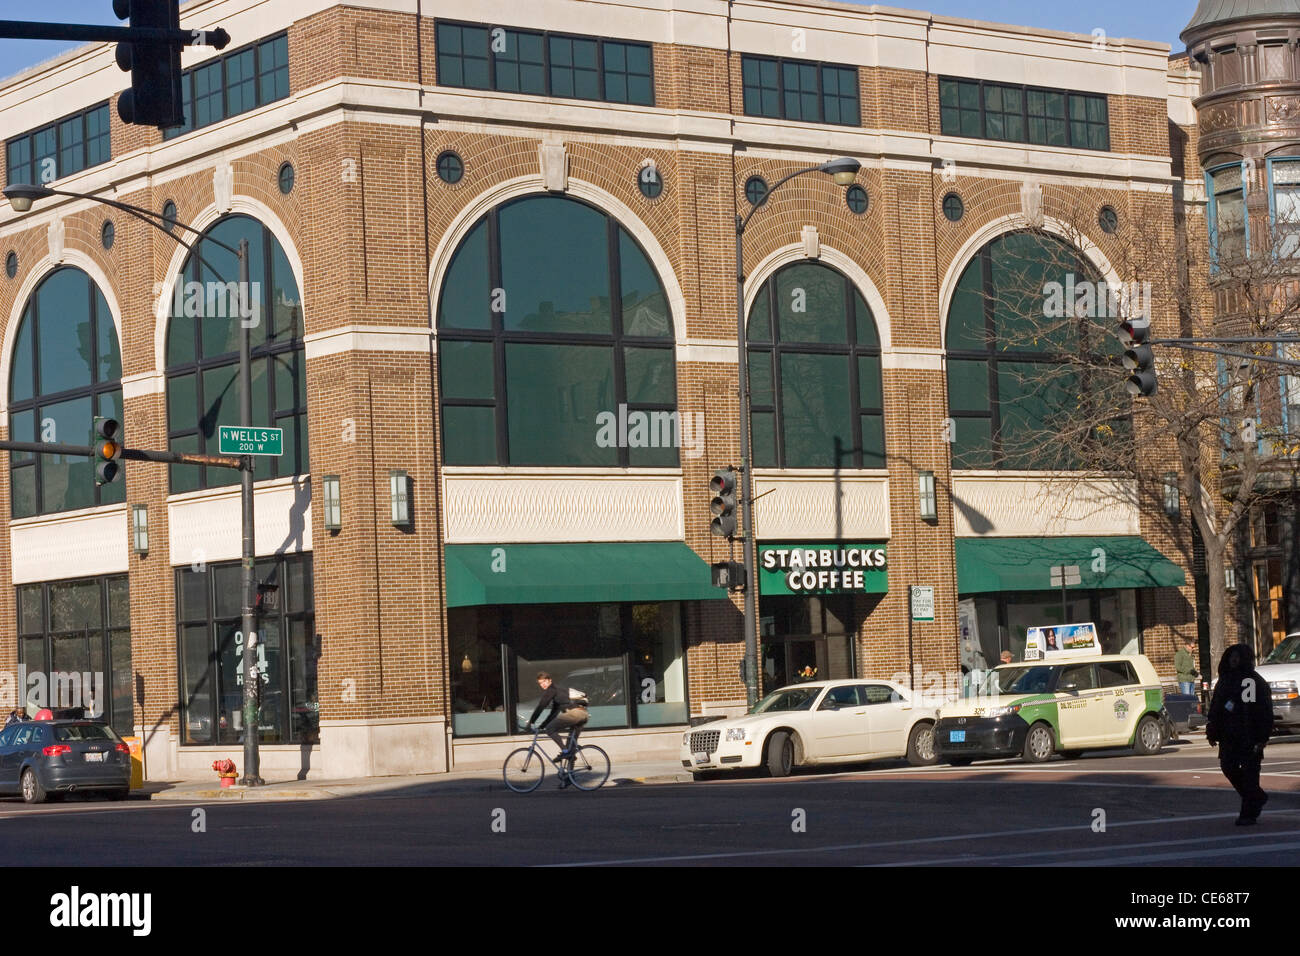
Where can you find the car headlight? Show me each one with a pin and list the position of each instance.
(1003, 711)
(1284, 690)
(735, 733)
(686, 738)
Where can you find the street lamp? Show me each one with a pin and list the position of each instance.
(844, 170)
(21, 196)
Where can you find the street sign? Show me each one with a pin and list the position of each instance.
(922, 603)
(1071, 575)
(234, 440)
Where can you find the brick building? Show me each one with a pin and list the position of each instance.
(495, 260)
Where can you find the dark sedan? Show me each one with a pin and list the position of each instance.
(40, 758)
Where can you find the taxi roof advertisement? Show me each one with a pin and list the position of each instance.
(1061, 640)
(819, 568)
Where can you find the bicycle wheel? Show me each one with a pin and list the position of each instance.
(524, 770)
(590, 768)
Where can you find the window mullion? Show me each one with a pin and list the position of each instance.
(497, 320)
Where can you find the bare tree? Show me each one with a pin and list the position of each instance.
(1228, 426)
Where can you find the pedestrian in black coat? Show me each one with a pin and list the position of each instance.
(1241, 719)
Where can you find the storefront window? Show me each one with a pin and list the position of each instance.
(212, 653)
(626, 658)
(1002, 620)
(75, 644)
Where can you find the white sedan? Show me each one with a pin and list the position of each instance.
(820, 722)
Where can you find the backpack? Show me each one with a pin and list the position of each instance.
(577, 698)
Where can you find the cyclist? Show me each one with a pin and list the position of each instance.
(571, 714)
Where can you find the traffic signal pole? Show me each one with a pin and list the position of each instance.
(22, 30)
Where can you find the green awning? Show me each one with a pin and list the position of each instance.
(577, 574)
(1024, 564)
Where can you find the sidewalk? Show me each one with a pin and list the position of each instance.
(426, 784)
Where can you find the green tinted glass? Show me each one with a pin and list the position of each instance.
(760, 379)
(972, 445)
(763, 439)
(645, 307)
(873, 441)
(760, 318)
(815, 405)
(866, 324)
(559, 397)
(650, 376)
(555, 266)
(869, 387)
(469, 435)
(968, 386)
(467, 301)
(811, 305)
(466, 369)
(21, 384)
(67, 352)
(966, 326)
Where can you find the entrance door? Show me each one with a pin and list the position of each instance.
(1270, 614)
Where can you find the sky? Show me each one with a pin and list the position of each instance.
(1159, 20)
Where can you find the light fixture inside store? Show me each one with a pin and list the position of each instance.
(1230, 578)
(140, 529)
(333, 502)
(925, 485)
(467, 666)
(399, 495)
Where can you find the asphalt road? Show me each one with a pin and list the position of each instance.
(1171, 809)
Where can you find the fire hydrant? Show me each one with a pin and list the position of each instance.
(225, 769)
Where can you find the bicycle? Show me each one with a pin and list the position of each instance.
(524, 769)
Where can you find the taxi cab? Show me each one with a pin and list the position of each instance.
(1064, 702)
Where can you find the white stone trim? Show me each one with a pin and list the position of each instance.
(145, 383)
(1037, 504)
(802, 504)
(532, 184)
(205, 525)
(73, 544)
(721, 352)
(367, 338)
(34, 277)
(913, 359)
(516, 506)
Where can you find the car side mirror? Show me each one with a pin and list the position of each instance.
(829, 704)
(1071, 689)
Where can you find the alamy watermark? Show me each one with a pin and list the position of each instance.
(217, 300)
(638, 429)
(37, 689)
(1096, 300)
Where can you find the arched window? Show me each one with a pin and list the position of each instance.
(814, 373)
(555, 345)
(1011, 333)
(66, 370)
(203, 354)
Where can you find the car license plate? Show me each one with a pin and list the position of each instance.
(701, 758)
(94, 758)
(956, 736)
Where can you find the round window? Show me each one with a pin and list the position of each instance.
(11, 264)
(857, 199)
(285, 178)
(169, 215)
(756, 190)
(650, 182)
(107, 233)
(953, 207)
(450, 167)
(1108, 219)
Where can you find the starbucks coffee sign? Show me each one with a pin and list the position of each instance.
(818, 569)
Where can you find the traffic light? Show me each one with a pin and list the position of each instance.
(154, 98)
(108, 449)
(1139, 361)
(723, 503)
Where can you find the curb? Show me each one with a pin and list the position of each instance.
(472, 785)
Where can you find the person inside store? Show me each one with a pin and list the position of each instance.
(17, 716)
(1241, 719)
(566, 714)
